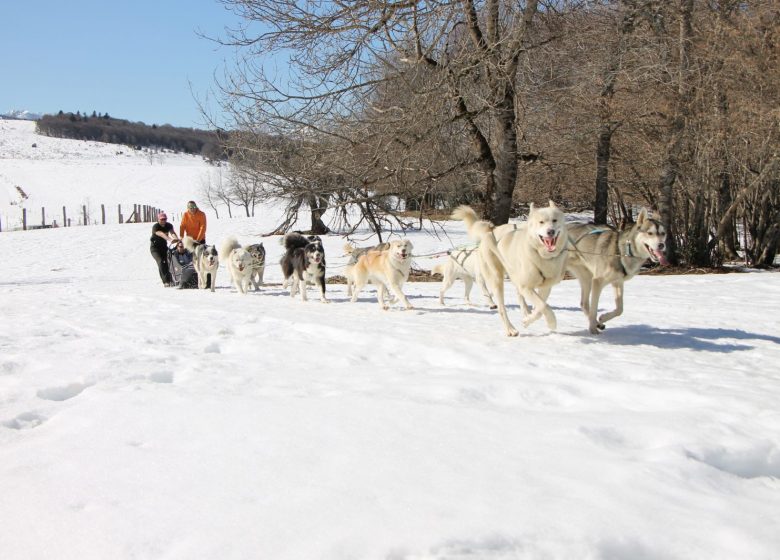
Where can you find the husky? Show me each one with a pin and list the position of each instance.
(206, 261)
(601, 255)
(238, 262)
(462, 264)
(258, 264)
(354, 254)
(303, 262)
(388, 269)
(532, 254)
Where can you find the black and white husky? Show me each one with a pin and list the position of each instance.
(206, 261)
(258, 264)
(303, 262)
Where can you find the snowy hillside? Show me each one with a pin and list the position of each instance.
(57, 172)
(142, 422)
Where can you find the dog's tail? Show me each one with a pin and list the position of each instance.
(438, 269)
(293, 240)
(189, 243)
(227, 247)
(482, 232)
(475, 227)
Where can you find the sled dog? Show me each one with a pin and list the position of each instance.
(462, 264)
(238, 262)
(388, 269)
(303, 262)
(257, 251)
(206, 261)
(532, 254)
(601, 255)
(354, 254)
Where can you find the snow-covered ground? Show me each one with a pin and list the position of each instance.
(139, 422)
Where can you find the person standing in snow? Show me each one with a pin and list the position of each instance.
(193, 223)
(162, 234)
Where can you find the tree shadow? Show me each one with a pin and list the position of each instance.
(692, 338)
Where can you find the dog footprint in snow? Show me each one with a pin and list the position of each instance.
(62, 393)
(25, 421)
(212, 348)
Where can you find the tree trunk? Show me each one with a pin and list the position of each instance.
(317, 206)
(603, 151)
(506, 159)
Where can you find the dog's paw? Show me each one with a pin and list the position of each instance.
(493, 307)
(601, 326)
(323, 300)
(512, 332)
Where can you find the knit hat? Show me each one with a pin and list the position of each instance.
(162, 215)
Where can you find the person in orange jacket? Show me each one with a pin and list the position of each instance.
(193, 223)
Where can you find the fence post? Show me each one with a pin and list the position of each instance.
(121, 221)
(68, 222)
(1, 225)
(84, 209)
(43, 216)
(64, 217)
(24, 218)
(103, 212)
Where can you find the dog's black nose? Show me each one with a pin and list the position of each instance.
(661, 246)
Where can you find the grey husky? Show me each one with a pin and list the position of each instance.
(258, 264)
(601, 255)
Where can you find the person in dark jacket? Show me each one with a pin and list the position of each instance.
(162, 234)
(182, 260)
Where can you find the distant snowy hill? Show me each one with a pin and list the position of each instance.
(18, 114)
(56, 172)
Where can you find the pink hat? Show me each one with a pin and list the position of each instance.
(162, 215)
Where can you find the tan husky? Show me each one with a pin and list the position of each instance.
(388, 269)
(600, 255)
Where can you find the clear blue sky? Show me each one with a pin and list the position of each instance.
(132, 60)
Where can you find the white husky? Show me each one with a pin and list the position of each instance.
(238, 262)
(462, 264)
(533, 254)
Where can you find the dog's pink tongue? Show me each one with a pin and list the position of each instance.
(549, 243)
(661, 257)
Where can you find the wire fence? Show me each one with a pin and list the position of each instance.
(83, 215)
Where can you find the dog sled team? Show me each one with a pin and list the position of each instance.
(534, 255)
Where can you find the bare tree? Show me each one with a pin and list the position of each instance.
(342, 54)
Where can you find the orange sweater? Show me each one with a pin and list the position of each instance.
(194, 225)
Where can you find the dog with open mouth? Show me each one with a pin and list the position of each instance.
(303, 262)
(388, 269)
(532, 254)
(600, 255)
(238, 262)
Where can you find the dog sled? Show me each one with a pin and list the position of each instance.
(181, 272)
